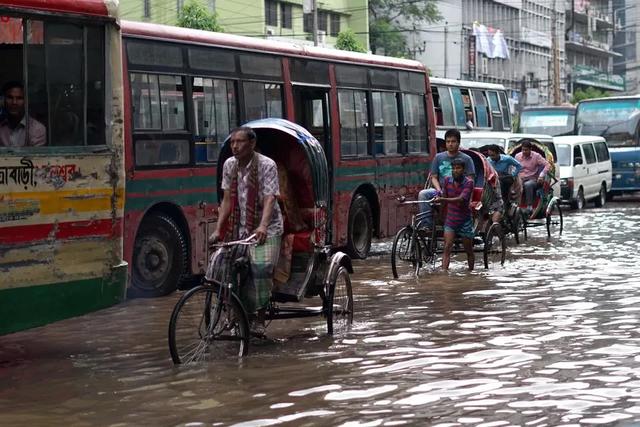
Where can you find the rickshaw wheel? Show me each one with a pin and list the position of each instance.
(554, 220)
(404, 251)
(515, 224)
(495, 246)
(340, 313)
(360, 227)
(204, 327)
(523, 224)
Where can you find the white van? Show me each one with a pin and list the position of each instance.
(585, 169)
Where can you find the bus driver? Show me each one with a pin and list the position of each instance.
(13, 126)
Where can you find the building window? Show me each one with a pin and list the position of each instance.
(287, 22)
(322, 21)
(147, 8)
(271, 13)
(335, 24)
(307, 22)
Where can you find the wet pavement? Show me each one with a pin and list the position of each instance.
(550, 339)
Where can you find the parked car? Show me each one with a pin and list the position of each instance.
(585, 169)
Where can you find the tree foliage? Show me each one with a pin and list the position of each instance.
(588, 93)
(390, 21)
(195, 15)
(347, 41)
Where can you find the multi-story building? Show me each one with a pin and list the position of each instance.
(589, 44)
(450, 48)
(626, 42)
(289, 20)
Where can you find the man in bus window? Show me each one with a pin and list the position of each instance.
(13, 126)
(457, 191)
(469, 123)
(250, 184)
(440, 169)
(534, 169)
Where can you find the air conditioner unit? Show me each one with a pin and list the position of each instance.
(484, 66)
(322, 36)
(270, 31)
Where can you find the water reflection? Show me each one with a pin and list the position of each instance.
(550, 339)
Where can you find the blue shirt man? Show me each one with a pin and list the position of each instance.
(507, 168)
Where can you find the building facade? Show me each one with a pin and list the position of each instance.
(626, 42)
(589, 44)
(524, 27)
(289, 20)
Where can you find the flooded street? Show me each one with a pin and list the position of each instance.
(550, 339)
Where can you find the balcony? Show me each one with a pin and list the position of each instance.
(602, 18)
(578, 42)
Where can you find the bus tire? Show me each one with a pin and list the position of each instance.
(159, 259)
(360, 228)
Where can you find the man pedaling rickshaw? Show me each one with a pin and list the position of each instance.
(507, 168)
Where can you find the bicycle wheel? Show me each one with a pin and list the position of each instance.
(554, 220)
(204, 327)
(404, 256)
(340, 316)
(495, 246)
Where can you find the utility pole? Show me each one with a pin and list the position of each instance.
(446, 62)
(315, 22)
(555, 56)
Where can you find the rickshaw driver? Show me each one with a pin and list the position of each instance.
(507, 168)
(250, 184)
(534, 169)
(442, 168)
(458, 189)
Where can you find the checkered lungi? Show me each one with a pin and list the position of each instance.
(256, 292)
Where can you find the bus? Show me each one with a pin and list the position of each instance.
(617, 119)
(61, 161)
(185, 89)
(549, 120)
(454, 99)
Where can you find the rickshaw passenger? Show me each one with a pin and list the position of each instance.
(457, 192)
(250, 184)
(534, 169)
(507, 168)
(442, 168)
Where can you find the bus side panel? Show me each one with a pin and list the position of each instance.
(626, 169)
(60, 234)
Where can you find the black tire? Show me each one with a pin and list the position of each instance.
(159, 261)
(610, 196)
(404, 252)
(203, 327)
(602, 196)
(515, 225)
(339, 311)
(580, 202)
(495, 246)
(523, 225)
(360, 228)
(554, 220)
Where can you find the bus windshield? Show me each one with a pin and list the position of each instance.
(614, 119)
(552, 122)
(564, 154)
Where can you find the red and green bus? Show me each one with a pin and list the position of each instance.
(184, 90)
(61, 161)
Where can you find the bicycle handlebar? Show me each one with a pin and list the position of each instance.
(251, 240)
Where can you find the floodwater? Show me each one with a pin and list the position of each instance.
(550, 339)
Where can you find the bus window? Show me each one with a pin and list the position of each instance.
(385, 119)
(436, 105)
(496, 113)
(589, 153)
(214, 106)
(353, 122)
(262, 100)
(145, 97)
(506, 114)
(447, 107)
(61, 87)
(415, 123)
(481, 109)
(172, 102)
(458, 105)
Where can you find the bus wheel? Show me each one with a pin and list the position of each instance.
(360, 228)
(159, 257)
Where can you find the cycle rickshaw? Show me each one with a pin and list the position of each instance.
(415, 246)
(546, 206)
(209, 321)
